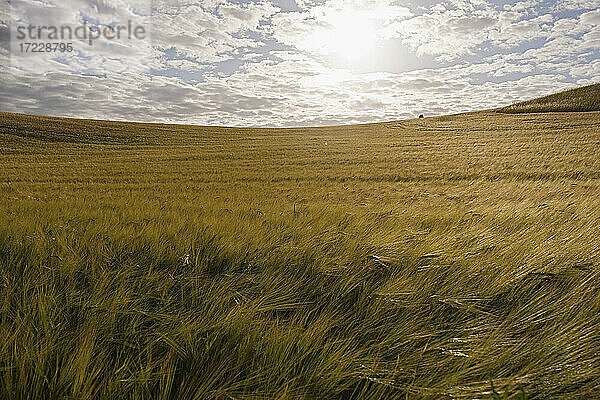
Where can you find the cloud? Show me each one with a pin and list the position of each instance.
(575, 5)
(221, 62)
(318, 28)
(453, 29)
(586, 70)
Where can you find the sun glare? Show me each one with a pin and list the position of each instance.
(350, 35)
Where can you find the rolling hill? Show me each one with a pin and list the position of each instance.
(581, 99)
(414, 259)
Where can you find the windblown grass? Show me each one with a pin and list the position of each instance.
(580, 99)
(417, 259)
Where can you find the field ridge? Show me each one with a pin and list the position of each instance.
(581, 99)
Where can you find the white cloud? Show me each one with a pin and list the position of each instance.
(222, 62)
(586, 70)
(562, 5)
(337, 25)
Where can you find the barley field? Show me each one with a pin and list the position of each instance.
(580, 99)
(418, 259)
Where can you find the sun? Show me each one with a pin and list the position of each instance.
(349, 35)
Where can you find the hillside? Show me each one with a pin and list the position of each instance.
(580, 99)
(415, 259)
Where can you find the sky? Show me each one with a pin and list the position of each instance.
(283, 63)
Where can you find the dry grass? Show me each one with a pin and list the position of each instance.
(581, 99)
(416, 259)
